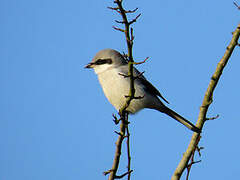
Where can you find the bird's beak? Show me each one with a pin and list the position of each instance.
(89, 65)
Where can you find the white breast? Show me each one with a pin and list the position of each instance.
(116, 87)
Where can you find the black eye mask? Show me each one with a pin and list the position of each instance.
(103, 61)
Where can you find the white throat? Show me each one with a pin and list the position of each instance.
(102, 68)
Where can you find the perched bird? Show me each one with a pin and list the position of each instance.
(111, 68)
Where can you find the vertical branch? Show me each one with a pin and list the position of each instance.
(115, 165)
(206, 103)
(122, 112)
(128, 152)
(130, 57)
(129, 40)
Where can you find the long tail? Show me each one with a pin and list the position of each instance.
(179, 118)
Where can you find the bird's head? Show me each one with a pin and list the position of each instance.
(106, 59)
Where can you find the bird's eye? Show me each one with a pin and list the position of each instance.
(103, 61)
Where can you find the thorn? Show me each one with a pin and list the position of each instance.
(107, 172)
(137, 63)
(213, 118)
(194, 162)
(120, 22)
(113, 8)
(135, 19)
(118, 29)
(131, 11)
(121, 176)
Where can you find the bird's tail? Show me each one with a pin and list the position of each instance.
(179, 118)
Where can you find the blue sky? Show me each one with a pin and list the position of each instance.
(55, 122)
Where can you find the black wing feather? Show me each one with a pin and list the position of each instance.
(148, 86)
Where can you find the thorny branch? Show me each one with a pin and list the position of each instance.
(123, 112)
(206, 103)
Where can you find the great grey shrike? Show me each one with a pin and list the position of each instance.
(110, 67)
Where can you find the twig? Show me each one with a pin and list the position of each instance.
(236, 5)
(115, 119)
(137, 63)
(121, 176)
(213, 118)
(205, 104)
(118, 29)
(112, 8)
(107, 172)
(131, 11)
(120, 22)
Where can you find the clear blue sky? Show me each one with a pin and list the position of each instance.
(55, 123)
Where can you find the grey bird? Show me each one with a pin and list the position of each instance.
(110, 67)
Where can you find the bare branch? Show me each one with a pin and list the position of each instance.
(113, 171)
(122, 112)
(206, 103)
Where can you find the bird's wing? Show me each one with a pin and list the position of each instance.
(148, 86)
